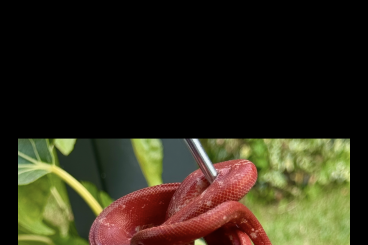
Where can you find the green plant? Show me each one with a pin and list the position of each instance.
(287, 168)
(44, 211)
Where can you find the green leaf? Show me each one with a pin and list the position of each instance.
(149, 154)
(30, 239)
(34, 160)
(31, 202)
(70, 240)
(22, 230)
(58, 213)
(27, 175)
(33, 243)
(65, 146)
(101, 197)
(37, 149)
(106, 200)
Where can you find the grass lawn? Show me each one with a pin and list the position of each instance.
(323, 220)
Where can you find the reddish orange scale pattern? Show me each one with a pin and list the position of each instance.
(177, 214)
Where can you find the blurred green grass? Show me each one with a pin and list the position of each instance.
(323, 219)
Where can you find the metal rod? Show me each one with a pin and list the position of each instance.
(202, 159)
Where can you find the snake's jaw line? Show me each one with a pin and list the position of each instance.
(179, 213)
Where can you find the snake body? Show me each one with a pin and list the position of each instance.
(179, 213)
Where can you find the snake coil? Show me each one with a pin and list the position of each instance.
(179, 213)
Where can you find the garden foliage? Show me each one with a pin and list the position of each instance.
(287, 167)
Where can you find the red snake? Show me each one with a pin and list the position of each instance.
(179, 213)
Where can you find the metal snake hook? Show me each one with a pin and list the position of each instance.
(202, 159)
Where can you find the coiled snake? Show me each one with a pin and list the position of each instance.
(179, 213)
